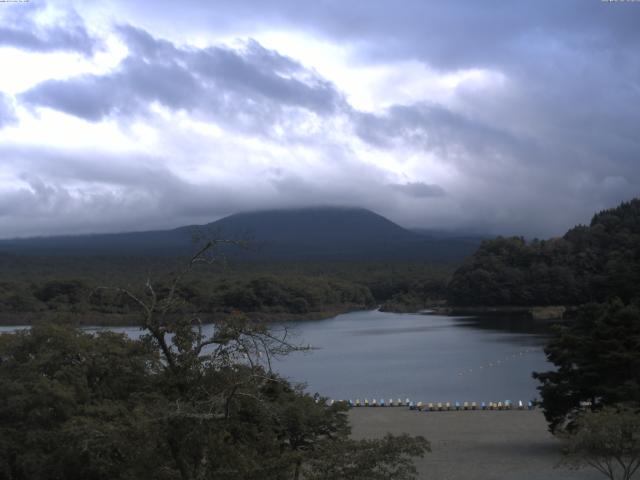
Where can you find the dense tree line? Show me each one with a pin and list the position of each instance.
(51, 287)
(588, 264)
(268, 294)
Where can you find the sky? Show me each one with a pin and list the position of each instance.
(497, 117)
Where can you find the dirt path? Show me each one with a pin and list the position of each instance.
(474, 445)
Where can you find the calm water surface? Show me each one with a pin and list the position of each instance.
(423, 357)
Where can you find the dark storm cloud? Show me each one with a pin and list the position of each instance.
(7, 111)
(514, 173)
(251, 88)
(419, 189)
(435, 128)
(20, 29)
(446, 34)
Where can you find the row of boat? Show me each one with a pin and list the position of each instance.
(442, 406)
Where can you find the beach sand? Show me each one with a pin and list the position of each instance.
(474, 445)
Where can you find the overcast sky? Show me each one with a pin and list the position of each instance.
(510, 117)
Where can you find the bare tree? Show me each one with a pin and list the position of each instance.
(181, 336)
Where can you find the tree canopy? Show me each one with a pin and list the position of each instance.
(588, 264)
(597, 363)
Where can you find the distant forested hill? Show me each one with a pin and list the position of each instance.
(309, 234)
(589, 263)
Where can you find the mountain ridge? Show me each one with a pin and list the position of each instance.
(316, 233)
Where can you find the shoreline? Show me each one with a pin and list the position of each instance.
(96, 319)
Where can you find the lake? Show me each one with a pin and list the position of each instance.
(423, 357)
(429, 358)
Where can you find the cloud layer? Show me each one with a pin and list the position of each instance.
(66, 32)
(516, 119)
(251, 88)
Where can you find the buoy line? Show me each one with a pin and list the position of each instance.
(497, 363)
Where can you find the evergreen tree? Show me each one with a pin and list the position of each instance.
(597, 361)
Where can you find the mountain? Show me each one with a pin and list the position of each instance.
(328, 233)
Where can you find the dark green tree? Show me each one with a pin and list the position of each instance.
(597, 361)
(73, 405)
(588, 264)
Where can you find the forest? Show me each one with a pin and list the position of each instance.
(85, 289)
(587, 264)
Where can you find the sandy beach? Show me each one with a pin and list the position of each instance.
(474, 445)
